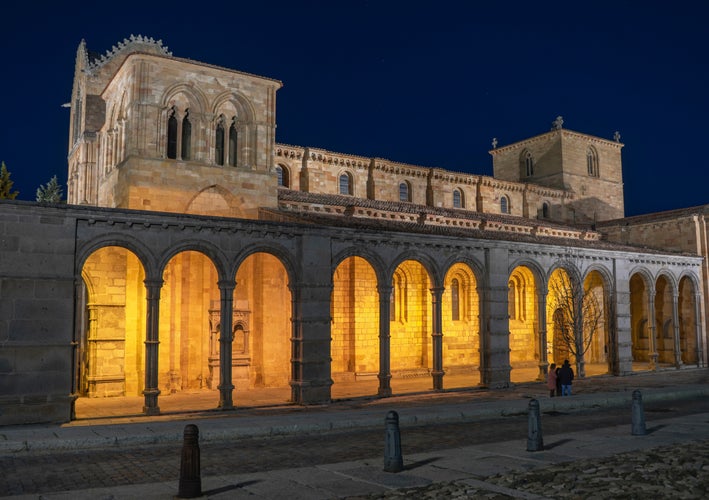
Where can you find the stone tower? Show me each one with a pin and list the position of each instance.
(142, 118)
(588, 168)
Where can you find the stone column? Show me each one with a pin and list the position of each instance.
(542, 291)
(675, 324)
(652, 333)
(620, 340)
(151, 391)
(698, 329)
(494, 340)
(384, 341)
(226, 336)
(437, 338)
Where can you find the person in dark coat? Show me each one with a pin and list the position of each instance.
(566, 376)
(558, 381)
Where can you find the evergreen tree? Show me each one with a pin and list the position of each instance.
(6, 192)
(51, 192)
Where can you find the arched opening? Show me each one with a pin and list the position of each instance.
(664, 324)
(410, 328)
(562, 316)
(111, 353)
(188, 294)
(262, 300)
(461, 328)
(686, 309)
(640, 328)
(524, 333)
(355, 329)
(601, 349)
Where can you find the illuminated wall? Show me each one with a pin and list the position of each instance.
(461, 321)
(522, 310)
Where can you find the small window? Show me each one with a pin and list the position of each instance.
(186, 137)
(172, 135)
(527, 163)
(346, 183)
(219, 143)
(283, 176)
(232, 143)
(458, 199)
(504, 205)
(592, 162)
(404, 191)
(545, 210)
(455, 300)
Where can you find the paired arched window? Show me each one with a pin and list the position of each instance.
(226, 145)
(504, 204)
(283, 176)
(185, 146)
(458, 199)
(527, 163)
(592, 162)
(232, 143)
(346, 183)
(404, 191)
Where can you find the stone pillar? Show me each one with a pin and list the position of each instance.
(675, 324)
(226, 336)
(620, 348)
(151, 391)
(384, 341)
(698, 328)
(494, 341)
(437, 338)
(542, 291)
(311, 378)
(652, 333)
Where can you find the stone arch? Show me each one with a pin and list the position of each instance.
(111, 321)
(601, 351)
(192, 95)
(688, 313)
(354, 312)
(641, 285)
(214, 200)
(202, 246)
(524, 341)
(234, 109)
(460, 310)
(128, 242)
(664, 301)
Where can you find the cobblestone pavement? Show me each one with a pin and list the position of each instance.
(669, 472)
(32, 473)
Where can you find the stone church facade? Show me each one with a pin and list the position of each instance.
(197, 253)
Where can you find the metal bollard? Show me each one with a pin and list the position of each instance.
(393, 461)
(534, 432)
(190, 480)
(638, 416)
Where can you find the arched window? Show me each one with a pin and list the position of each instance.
(232, 143)
(458, 200)
(346, 183)
(186, 136)
(527, 164)
(283, 176)
(504, 205)
(592, 162)
(404, 191)
(172, 135)
(545, 210)
(455, 300)
(219, 142)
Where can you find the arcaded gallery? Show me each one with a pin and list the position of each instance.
(196, 255)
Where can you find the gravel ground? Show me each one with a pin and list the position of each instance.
(670, 472)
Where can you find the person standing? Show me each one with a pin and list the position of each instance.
(566, 376)
(551, 380)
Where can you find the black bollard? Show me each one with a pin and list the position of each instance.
(638, 416)
(534, 432)
(190, 480)
(393, 461)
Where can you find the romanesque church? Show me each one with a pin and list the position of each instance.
(198, 253)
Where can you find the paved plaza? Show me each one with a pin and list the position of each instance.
(466, 471)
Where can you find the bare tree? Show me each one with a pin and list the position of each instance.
(577, 314)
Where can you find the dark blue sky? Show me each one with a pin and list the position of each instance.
(427, 82)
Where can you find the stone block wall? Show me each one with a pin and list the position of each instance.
(37, 314)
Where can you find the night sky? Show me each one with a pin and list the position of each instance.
(427, 83)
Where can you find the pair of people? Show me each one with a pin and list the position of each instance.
(559, 379)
